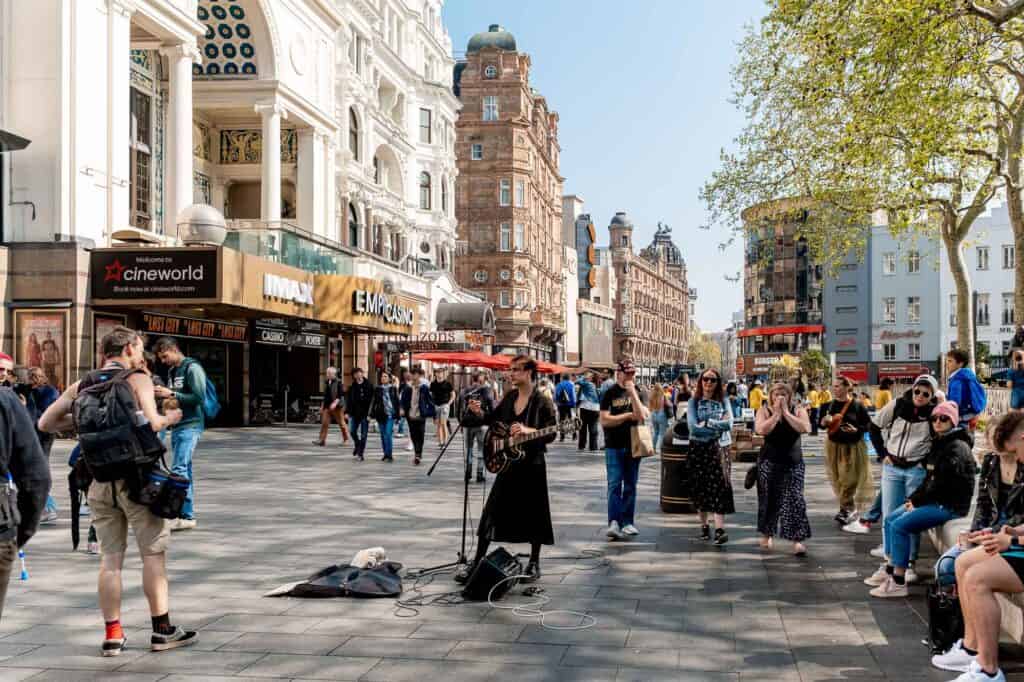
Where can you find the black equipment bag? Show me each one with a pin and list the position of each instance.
(497, 567)
(350, 581)
(163, 493)
(945, 619)
(113, 445)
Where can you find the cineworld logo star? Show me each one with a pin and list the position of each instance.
(114, 271)
(275, 286)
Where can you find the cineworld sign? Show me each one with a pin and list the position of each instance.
(381, 305)
(153, 274)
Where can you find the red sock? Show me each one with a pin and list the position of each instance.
(114, 630)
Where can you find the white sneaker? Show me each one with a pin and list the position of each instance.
(183, 524)
(976, 674)
(911, 576)
(878, 577)
(613, 531)
(956, 659)
(630, 529)
(409, 446)
(48, 518)
(890, 590)
(857, 527)
(878, 552)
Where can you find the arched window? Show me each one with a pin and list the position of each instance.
(425, 191)
(353, 227)
(376, 169)
(444, 196)
(353, 134)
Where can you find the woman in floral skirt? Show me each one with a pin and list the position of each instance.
(709, 418)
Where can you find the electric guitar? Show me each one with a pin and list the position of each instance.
(501, 448)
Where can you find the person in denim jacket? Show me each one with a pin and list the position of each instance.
(709, 417)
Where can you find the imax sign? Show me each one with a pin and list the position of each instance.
(275, 286)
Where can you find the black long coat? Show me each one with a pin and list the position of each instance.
(517, 509)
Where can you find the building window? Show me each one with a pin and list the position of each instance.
(914, 262)
(520, 298)
(982, 315)
(913, 309)
(624, 241)
(490, 108)
(353, 134)
(913, 351)
(1009, 256)
(504, 298)
(982, 257)
(520, 193)
(846, 309)
(353, 227)
(490, 71)
(889, 310)
(505, 243)
(140, 161)
(889, 351)
(520, 237)
(1008, 309)
(952, 310)
(425, 191)
(425, 126)
(444, 197)
(505, 193)
(889, 263)
(376, 169)
(846, 289)
(476, 152)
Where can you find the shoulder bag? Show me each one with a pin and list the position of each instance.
(837, 421)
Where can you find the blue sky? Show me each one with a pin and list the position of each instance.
(642, 90)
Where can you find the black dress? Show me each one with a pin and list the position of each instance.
(781, 508)
(517, 509)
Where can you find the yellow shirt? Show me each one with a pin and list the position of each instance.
(756, 397)
(882, 398)
(814, 399)
(826, 396)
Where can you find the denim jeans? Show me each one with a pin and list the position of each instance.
(659, 421)
(945, 570)
(401, 426)
(474, 434)
(874, 514)
(897, 485)
(358, 428)
(623, 470)
(901, 526)
(183, 443)
(387, 436)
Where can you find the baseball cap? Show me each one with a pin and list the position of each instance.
(626, 365)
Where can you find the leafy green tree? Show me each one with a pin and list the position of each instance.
(814, 364)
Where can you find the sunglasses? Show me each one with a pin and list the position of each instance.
(517, 369)
(942, 418)
(926, 394)
(709, 380)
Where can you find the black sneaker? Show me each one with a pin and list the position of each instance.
(178, 638)
(720, 536)
(479, 477)
(532, 573)
(705, 533)
(318, 442)
(114, 647)
(842, 517)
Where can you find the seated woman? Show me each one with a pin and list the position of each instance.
(996, 566)
(944, 494)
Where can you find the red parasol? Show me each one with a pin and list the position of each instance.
(552, 368)
(470, 358)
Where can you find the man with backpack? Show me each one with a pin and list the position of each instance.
(358, 399)
(186, 383)
(565, 399)
(964, 388)
(112, 408)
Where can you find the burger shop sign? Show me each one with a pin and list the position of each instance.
(381, 305)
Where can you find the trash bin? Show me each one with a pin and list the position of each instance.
(675, 472)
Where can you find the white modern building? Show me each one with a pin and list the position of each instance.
(990, 256)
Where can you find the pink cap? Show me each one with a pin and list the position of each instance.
(949, 409)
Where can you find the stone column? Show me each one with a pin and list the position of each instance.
(270, 169)
(178, 185)
(119, 18)
(309, 181)
(333, 229)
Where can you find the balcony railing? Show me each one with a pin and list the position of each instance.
(289, 244)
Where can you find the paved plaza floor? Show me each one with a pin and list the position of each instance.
(273, 508)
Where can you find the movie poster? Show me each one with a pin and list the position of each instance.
(103, 324)
(40, 340)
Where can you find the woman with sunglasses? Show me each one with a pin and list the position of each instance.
(709, 418)
(902, 436)
(945, 494)
(846, 453)
(781, 508)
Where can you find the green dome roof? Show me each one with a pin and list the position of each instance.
(495, 36)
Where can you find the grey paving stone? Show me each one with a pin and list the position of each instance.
(277, 643)
(380, 647)
(261, 623)
(311, 667)
(399, 670)
(93, 676)
(653, 675)
(18, 674)
(632, 658)
(186, 661)
(493, 652)
(366, 628)
(478, 632)
(70, 657)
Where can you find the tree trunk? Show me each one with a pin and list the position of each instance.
(962, 281)
(1016, 211)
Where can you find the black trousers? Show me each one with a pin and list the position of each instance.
(417, 429)
(589, 419)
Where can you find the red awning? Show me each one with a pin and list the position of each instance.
(552, 368)
(465, 358)
(791, 329)
(857, 376)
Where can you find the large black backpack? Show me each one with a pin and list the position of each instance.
(105, 418)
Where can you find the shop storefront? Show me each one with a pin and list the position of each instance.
(857, 372)
(903, 373)
(265, 331)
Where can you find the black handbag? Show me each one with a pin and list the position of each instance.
(945, 619)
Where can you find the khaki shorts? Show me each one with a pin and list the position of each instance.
(112, 522)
